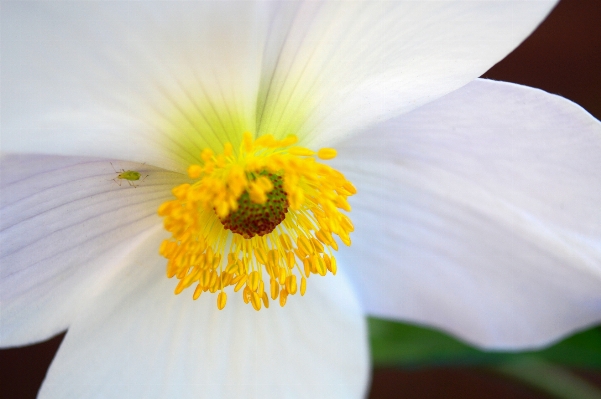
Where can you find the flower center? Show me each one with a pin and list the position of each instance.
(268, 211)
(251, 219)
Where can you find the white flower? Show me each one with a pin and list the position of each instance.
(477, 213)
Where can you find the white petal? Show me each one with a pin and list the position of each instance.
(479, 214)
(154, 82)
(120, 79)
(341, 66)
(139, 340)
(65, 226)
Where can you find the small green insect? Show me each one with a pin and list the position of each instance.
(128, 175)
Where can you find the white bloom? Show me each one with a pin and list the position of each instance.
(477, 213)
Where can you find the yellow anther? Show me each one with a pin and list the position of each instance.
(302, 219)
(165, 209)
(285, 241)
(291, 284)
(327, 262)
(301, 255)
(283, 297)
(348, 186)
(307, 267)
(206, 154)
(264, 183)
(226, 279)
(265, 141)
(261, 256)
(346, 224)
(290, 260)
(327, 153)
(269, 269)
(232, 268)
(304, 246)
(180, 191)
(301, 152)
(274, 289)
(214, 283)
(303, 286)
(216, 261)
(333, 266)
(241, 283)
(297, 198)
(313, 263)
(197, 292)
(317, 245)
(180, 287)
(205, 278)
(334, 245)
(187, 281)
(194, 171)
(342, 203)
(288, 141)
(222, 209)
(265, 300)
(242, 267)
(253, 280)
(256, 300)
(321, 266)
(282, 275)
(257, 193)
(221, 300)
(246, 294)
(171, 269)
(274, 257)
(261, 288)
(323, 236)
(182, 274)
(346, 240)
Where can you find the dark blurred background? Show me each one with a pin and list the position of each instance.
(563, 56)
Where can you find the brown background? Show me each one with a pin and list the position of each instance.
(563, 56)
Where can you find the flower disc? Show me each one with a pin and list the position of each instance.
(251, 219)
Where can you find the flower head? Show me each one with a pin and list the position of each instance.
(456, 212)
(266, 207)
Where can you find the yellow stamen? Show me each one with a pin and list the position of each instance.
(265, 300)
(266, 210)
(221, 300)
(327, 153)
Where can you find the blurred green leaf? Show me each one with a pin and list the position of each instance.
(399, 344)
